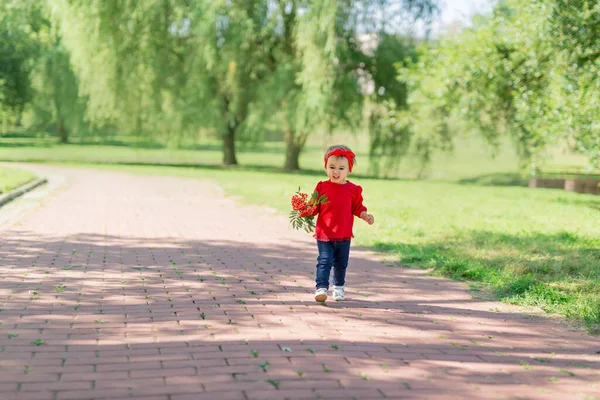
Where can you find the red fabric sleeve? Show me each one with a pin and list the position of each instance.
(357, 202)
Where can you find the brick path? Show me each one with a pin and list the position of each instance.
(120, 286)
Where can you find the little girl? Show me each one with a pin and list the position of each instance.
(333, 229)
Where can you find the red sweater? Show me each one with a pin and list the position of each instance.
(336, 217)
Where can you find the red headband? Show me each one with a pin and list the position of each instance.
(341, 153)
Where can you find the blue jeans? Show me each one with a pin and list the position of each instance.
(332, 254)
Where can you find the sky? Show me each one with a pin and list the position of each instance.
(461, 11)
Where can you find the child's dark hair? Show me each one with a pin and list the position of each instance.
(342, 147)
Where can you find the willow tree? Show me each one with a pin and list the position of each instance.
(55, 99)
(226, 66)
(39, 81)
(126, 58)
(168, 66)
(307, 84)
(319, 60)
(17, 49)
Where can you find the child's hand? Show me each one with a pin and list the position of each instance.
(368, 218)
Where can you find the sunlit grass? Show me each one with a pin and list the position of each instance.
(471, 162)
(11, 178)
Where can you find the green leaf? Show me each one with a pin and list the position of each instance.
(264, 365)
(274, 383)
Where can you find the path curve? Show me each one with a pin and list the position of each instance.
(118, 286)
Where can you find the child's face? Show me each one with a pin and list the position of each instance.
(337, 169)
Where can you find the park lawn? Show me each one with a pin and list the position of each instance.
(471, 161)
(529, 247)
(12, 178)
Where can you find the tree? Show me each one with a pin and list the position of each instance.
(389, 135)
(36, 69)
(168, 66)
(56, 100)
(578, 25)
(178, 66)
(127, 58)
(229, 62)
(319, 63)
(509, 74)
(17, 48)
(311, 82)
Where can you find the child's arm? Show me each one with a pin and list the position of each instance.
(359, 209)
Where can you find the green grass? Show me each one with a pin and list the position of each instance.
(473, 220)
(12, 178)
(470, 163)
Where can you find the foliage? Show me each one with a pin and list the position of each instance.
(578, 26)
(171, 66)
(125, 58)
(313, 81)
(56, 99)
(315, 60)
(232, 38)
(334, 85)
(17, 48)
(508, 75)
(40, 86)
(303, 210)
(389, 134)
(179, 68)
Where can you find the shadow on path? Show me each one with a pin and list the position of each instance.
(98, 316)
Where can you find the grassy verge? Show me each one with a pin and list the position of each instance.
(11, 178)
(470, 163)
(530, 247)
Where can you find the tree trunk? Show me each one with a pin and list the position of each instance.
(294, 143)
(229, 146)
(18, 122)
(63, 136)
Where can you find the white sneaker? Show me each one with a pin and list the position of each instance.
(321, 295)
(338, 293)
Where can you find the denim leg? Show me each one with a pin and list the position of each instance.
(340, 262)
(324, 263)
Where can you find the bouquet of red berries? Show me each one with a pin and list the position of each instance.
(303, 209)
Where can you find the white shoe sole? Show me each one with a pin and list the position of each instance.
(321, 297)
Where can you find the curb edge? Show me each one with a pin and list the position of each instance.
(13, 194)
